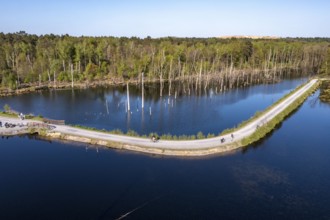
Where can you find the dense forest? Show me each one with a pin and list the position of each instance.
(51, 59)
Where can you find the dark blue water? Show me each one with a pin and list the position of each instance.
(105, 108)
(285, 176)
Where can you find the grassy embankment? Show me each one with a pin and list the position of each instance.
(260, 113)
(269, 126)
(15, 115)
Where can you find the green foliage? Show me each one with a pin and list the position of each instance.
(31, 77)
(33, 117)
(165, 137)
(116, 131)
(325, 68)
(132, 133)
(192, 137)
(210, 135)
(153, 134)
(8, 114)
(200, 135)
(24, 57)
(8, 79)
(6, 107)
(91, 71)
(63, 77)
(325, 91)
(85, 127)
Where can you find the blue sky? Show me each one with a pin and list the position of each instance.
(181, 18)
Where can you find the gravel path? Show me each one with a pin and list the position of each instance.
(180, 145)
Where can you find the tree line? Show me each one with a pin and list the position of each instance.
(27, 59)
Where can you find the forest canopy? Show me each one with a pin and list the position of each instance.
(26, 59)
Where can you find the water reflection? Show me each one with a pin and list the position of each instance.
(286, 177)
(183, 111)
(252, 178)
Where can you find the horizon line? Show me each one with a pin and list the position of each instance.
(238, 36)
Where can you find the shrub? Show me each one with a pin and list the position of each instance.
(7, 108)
(200, 135)
(210, 135)
(132, 133)
(116, 131)
(153, 134)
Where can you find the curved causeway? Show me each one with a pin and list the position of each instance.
(199, 147)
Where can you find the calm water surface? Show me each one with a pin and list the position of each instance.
(285, 176)
(105, 108)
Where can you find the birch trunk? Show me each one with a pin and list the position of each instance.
(142, 105)
(71, 75)
(128, 105)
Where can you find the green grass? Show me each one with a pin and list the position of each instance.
(8, 114)
(15, 115)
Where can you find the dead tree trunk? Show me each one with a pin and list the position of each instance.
(128, 105)
(48, 72)
(170, 79)
(142, 105)
(63, 64)
(71, 75)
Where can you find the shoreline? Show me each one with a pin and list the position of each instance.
(35, 87)
(108, 82)
(243, 136)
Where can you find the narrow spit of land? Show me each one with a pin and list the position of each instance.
(200, 147)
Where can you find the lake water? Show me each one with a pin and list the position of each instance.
(284, 176)
(106, 108)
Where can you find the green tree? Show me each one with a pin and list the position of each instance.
(9, 79)
(91, 71)
(325, 69)
(6, 107)
(31, 58)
